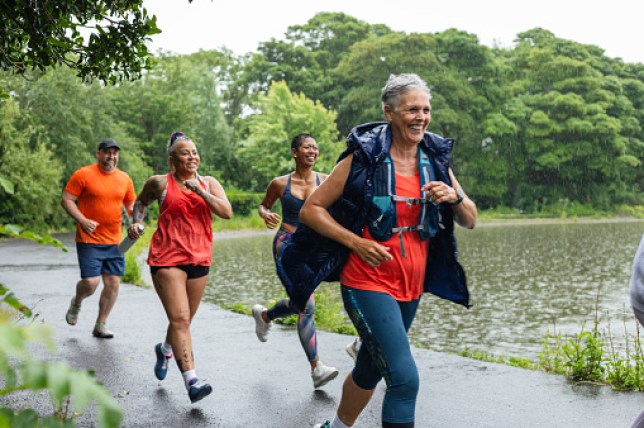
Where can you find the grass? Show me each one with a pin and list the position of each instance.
(586, 357)
(564, 210)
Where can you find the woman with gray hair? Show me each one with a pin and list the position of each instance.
(181, 251)
(389, 208)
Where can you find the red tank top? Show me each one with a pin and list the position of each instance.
(184, 230)
(403, 277)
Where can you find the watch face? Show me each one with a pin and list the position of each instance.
(460, 193)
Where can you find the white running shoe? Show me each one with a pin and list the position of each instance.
(322, 374)
(353, 348)
(72, 313)
(261, 327)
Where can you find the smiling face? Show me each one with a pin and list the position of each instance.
(307, 154)
(108, 159)
(185, 157)
(410, 118)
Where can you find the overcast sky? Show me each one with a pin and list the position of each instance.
(240, 25)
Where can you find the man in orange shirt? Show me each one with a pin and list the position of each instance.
(93, 197)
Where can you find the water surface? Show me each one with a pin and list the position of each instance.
(524, 280)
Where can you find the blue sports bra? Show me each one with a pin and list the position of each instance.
(291, 205)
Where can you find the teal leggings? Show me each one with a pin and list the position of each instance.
(383, 323)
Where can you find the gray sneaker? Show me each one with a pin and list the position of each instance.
(261, 327)
(72, 313)
(326, 424)
(353, 348)
(322, 374)
(101, 331)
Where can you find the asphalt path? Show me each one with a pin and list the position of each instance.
(268, 384)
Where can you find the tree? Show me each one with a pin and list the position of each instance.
(576, 132)
(180, 93)
(103, 40)
(281, 116)
(73, 116)
(33, 170)
(308, 55)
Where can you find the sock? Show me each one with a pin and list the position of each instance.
(188, 376)
(337, 423)
(166, 349)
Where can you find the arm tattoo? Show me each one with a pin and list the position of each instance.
(138, 212)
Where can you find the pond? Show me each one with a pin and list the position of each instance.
(525, 280)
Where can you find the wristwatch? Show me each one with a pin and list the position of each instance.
(460, 194)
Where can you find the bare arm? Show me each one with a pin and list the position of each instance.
(68, 201)
(215, 197)
(152, 190)
(273, 193)
(129, 208)
(465, 213)
(315, 214)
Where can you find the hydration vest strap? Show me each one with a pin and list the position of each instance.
(409, 201)
(382, 224)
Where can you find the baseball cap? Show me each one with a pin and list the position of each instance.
(108, 143)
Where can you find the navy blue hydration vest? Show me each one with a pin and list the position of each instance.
(382, 218)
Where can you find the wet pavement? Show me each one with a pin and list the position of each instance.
(268, 384)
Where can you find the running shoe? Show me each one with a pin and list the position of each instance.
(101, 331)
(72, 313)
(326, 424)
(353, 348)
(261, 327)
(198, 390)
(322, 374)
(161, 366)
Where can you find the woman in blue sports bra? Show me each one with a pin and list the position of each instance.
(292, 190)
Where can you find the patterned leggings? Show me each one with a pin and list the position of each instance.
(305, 320)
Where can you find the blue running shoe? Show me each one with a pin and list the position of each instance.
(198, 390)
(161, 366)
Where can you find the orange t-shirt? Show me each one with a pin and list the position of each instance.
(100, 198)
(402, 277)
(184, 230)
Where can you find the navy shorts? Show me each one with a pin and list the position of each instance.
(97, 259)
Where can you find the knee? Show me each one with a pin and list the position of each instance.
(111, 282)
(405, 385)
(180, 322)
(89, 285)
(309, 308)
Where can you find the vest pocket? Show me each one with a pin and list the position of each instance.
(381, 218)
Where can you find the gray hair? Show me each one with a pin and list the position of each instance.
(397, 84)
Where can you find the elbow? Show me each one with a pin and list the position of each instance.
(227, 214)
(467, 219)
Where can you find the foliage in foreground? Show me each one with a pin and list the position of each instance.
(100, 39)
(70, 390)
